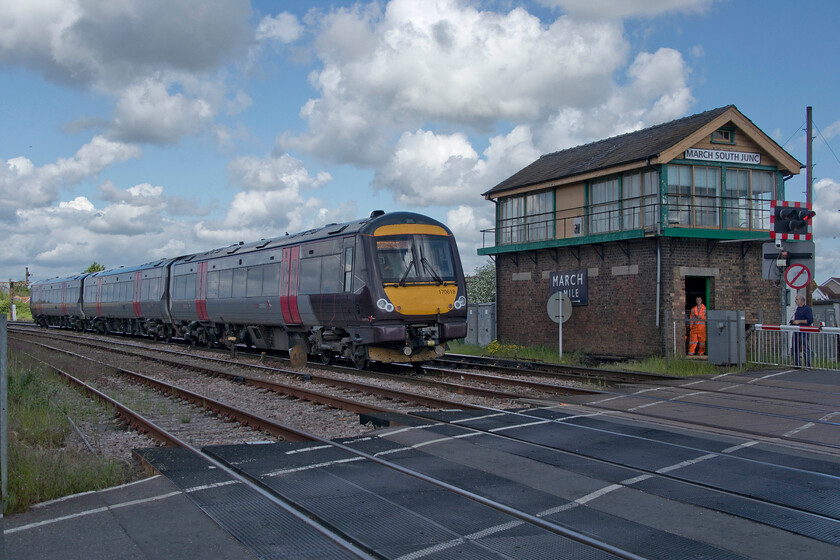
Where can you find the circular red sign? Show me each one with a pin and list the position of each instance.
(797, 276)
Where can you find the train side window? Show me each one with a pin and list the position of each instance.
(309, 276)
(271, 280)
(154, 288)
(348, 269)
(144, 289)
(254, 281)
(239, 279)
(225, 283)
(180, 287)
(331, 274)
(189, 289)
(213, 284)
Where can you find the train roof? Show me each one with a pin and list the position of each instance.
(58, 280)
(329, 231)
(131, 269)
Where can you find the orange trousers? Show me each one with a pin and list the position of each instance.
(697, 338)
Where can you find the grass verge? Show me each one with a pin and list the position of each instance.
(42, 464)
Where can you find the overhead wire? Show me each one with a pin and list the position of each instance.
(826, 142)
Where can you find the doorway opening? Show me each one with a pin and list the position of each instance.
(695, 287)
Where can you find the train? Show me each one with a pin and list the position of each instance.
(386, 288)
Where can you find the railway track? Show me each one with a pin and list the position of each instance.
(155, 429)
(547, 370)
(574, 441)
(469, 383)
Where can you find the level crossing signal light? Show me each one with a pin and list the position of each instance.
(791, 220)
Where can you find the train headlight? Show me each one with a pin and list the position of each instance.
(385, 305)
(460, 302)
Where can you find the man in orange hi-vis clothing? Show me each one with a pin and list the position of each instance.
(697, 329)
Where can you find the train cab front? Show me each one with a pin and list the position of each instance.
(419, 289)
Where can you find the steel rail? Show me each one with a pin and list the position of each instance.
(244, 417)
(138, 422)
(518, 514)
(549, 370)
(434, 402)
(782, 437)
(502, 380)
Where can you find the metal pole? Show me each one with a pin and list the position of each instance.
(4, 430)
(809, 179)
(560, 329)
(809, 162)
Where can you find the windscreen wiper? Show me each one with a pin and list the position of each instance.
(405, 275)
(431, 269)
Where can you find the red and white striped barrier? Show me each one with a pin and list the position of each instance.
(791, 328)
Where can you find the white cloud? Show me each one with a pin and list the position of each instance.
(147, 112)
(447, 61)
(271, 201)
(826, 228)
(283, 28)
(467, 224)
(428, 169)
(827, 207)
(832, 130)
(106, 43)
(620, 9)
(156, 57)
(64, 239)
(284, 173)
(23, 185)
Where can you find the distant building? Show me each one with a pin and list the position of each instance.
(635, 227)
(828, 290)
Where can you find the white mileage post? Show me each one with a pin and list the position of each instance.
(559, 309)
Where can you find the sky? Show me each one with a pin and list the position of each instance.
(134, 130)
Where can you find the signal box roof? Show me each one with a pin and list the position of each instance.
(654, 145)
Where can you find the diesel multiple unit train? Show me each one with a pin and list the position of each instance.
(388, 288)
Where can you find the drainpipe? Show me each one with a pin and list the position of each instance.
(658, 275)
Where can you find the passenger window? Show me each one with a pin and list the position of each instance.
(331, 274)
(309, 276)
(239, 280)
(271, 280)
(213, 284)
(180, 287)
(225, 283)
(255, 279)
(348, 269)
(189, 289)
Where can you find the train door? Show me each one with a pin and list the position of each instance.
(63, 298)
(201, 292)
(288, 286)
(135, 298)
(695, 287)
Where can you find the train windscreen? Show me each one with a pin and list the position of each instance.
(406, 259)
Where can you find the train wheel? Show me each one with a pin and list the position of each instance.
(327, 357)
(360, 357)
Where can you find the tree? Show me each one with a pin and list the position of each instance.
(95, 267)
(481, 286)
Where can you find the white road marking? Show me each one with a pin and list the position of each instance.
(89, 512)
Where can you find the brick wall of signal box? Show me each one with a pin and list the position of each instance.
(620, 318)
